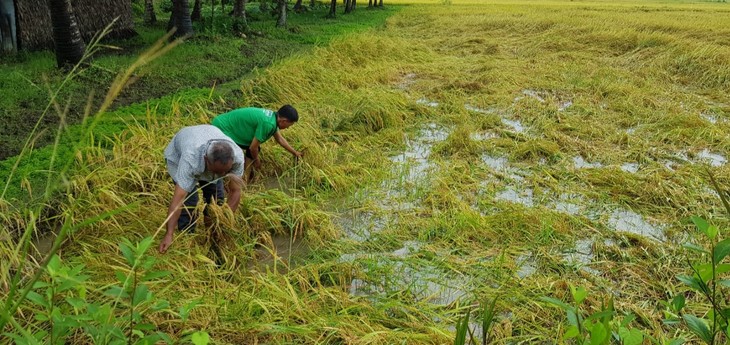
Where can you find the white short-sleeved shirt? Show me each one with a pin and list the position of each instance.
(185, 155)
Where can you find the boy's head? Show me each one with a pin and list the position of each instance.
(286, 116)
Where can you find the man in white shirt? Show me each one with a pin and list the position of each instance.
(200, 156)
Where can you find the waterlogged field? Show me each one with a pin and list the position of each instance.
(461, 153)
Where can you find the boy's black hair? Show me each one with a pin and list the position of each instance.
(288, 112)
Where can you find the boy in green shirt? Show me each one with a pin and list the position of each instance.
(250, 127)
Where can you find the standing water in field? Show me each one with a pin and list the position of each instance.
(632, 222)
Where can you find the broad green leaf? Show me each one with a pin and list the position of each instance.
(572, 317)
(691, 281)
(712, 232)
(144, 245)
(601, 315)
(579, 294)
(599, 334)
(722, 249)
(627, 319)
(141, 294)
(161, 304)
(556, 302)
(698, 327)
(705, 272)
(40, 285)
(122, 277)
(54, 264)
(724, 282)
(200, 338)
(76, 302)
(571, 332)
(127, 253)
(721, 269)
(631, 336)
(155, 275)
(701, 223)
(37, 299)
(678, 303)
(116, 291)
(695, 248)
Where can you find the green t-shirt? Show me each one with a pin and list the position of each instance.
(243, 124)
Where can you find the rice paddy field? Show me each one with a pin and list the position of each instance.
(465, 152)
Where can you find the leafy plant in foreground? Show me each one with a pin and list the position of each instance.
(487, 317)
(598, 327)
(709, 279)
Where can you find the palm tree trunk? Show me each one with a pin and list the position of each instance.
(333, 8)
(281, 22)
(149, 13)
(180, 19)
(239, 9)
(195, 16)
(348, 6)
(298, 6)
(67, 39)
(381, 3)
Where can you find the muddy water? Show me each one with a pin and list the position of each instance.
(278, 251)
(397, 270)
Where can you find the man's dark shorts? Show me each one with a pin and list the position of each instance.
(247, 151)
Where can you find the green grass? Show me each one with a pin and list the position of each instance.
(215, 59)
(428, 206)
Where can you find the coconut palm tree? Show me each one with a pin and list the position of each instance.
(180, 19)
(149, 13)
(69, 45)
(281, 22)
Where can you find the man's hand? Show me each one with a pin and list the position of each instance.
(165, 244)
(298, 154)
(257, 163)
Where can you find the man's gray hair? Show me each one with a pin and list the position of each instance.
(220, 151)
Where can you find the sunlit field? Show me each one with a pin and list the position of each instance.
(464, 153)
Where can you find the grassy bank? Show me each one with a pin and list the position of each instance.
(460, 153)
(207, 67)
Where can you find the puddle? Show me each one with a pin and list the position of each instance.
(632, 222)
(579, 162)
(479, 110)
(630, 167)
(532, 94)
(582, 255)
(280, 249)
(408, 247)
(566, 207)
(568, 204)
(407, 81)
(711, 118)
(413, 164)
(512, 195)
(496, 163)
(516, 125)
(564, 105)
(526, 265)
(481, 136)
(714, 159)
(424, 283)
(359, 226)
(425, 101)
(712, 192)
(42, 245)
